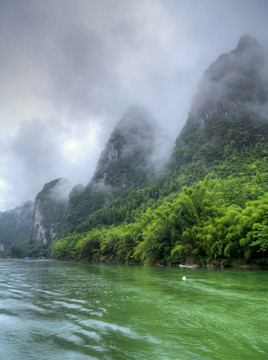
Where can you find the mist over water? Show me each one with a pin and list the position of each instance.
(54, 310)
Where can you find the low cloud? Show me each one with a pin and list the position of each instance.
(70, 69)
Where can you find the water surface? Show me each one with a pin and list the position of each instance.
(59, 310)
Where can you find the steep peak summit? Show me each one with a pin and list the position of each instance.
(125, 160)
(235, 78)
(247, 42)
(136, 118)
(249, 53)
(58, 189)
(229, 111)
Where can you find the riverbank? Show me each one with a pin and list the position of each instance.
(212, 265)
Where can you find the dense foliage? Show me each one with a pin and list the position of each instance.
(199, 224)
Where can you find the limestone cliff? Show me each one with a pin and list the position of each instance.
(49, 210)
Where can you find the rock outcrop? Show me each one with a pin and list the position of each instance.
(49, 210)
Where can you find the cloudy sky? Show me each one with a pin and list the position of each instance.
(70, 69)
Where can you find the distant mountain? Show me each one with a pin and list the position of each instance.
(49, 210)
(125, 162)
(16, 225)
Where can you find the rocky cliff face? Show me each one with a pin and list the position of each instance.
(49, 210)
(38, 232)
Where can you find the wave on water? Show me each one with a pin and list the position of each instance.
(68, 311)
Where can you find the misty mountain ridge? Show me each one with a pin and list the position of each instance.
(236, 79)
(228, 117)
(125, 162)
(226, 133)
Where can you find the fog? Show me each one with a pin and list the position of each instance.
(69, 70)
(247, 65)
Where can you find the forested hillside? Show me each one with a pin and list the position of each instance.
(210, 202)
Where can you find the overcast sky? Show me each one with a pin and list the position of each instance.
(69, 69)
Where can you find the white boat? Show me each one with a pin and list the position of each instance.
(186, 266)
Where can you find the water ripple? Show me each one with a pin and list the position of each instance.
(52, 310)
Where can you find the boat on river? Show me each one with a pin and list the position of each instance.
(186, 266)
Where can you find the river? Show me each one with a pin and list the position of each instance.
(63, 310)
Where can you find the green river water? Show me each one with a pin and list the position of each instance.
(62, 310)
